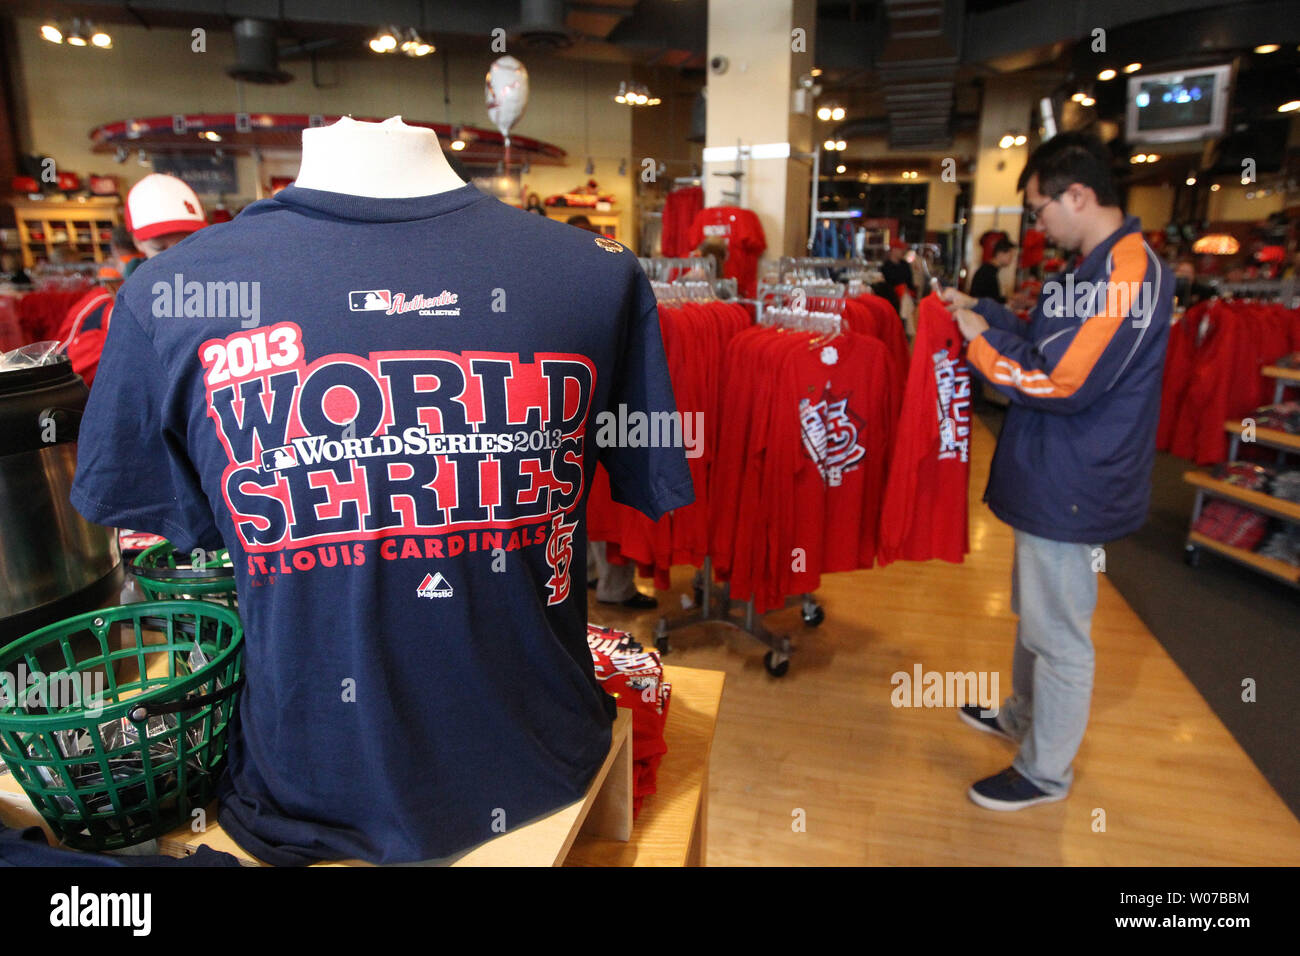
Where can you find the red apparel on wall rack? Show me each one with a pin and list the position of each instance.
(925, 514)
(743, 234)
(1216, 378)
(680, 209)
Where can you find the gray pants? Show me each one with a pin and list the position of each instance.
(1054, 592)
(615, 582)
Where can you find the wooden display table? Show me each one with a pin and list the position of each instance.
(595, 831)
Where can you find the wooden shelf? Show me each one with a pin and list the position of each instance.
(1278, 372)
(1270, 566)
(1273, 437)
(1255, 500)
(90, 218)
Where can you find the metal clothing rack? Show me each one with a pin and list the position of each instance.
(713, 602)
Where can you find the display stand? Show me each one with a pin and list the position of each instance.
(714, 603)
(1288, 511)
(671, 829)
(605, 812)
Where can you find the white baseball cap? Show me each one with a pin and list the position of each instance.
(160, 204)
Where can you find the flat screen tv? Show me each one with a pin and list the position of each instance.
(1178, 105)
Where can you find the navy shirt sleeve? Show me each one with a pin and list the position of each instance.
(651, 480)
(132, 468)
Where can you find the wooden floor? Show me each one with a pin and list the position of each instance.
(885, 785)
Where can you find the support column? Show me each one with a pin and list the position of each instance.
(751, 104)
(995, 202)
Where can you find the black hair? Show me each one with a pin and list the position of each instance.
(1003, 245)
(1069, 158)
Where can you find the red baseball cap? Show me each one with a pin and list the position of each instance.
(897, 244)
(160, 204)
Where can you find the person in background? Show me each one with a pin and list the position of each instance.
(716, 249)
(161, 210)
(582, 222)
(125, 255)
(897, 270)
(984, 284)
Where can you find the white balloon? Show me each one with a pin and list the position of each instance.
(506, 91)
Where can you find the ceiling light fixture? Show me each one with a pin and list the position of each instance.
(1087, 101)
(1132, 67)
(1106, 75)
(50, 31)
(1266, 48)
(1289, 106)
(1191, 181)
(76, 35)
(840, 169)
(385, 40)
(837, 113)
(1214, 188)
(1078, 97)
(841, 145)
(102, 40)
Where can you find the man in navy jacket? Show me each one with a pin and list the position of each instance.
(1073, 464)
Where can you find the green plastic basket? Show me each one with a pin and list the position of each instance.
(166, 574)
(134, 765)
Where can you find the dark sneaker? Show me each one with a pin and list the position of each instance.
(971, 716)
(1009, 791)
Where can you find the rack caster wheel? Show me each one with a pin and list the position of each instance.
(1192, 557)
(774, 668)
(816, 617)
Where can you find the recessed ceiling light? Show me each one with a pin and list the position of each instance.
(1106, 75)
(1266, 48)
(1132, 67)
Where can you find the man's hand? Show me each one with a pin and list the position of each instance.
(956, 299)
(972, 324)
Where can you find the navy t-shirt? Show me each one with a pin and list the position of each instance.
(386, 410)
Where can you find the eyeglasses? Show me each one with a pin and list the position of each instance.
(1031, 215)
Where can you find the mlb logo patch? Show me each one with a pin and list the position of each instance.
(370, 300)
(277, 459)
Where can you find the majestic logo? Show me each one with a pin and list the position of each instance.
(434, 586)
(370, 300)
(830, 436)
(559, 555)
(609, 245)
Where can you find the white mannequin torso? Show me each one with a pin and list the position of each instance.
(387, 160)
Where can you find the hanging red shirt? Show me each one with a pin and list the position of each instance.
(925, 511)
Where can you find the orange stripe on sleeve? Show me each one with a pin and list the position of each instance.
(1128, 272)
